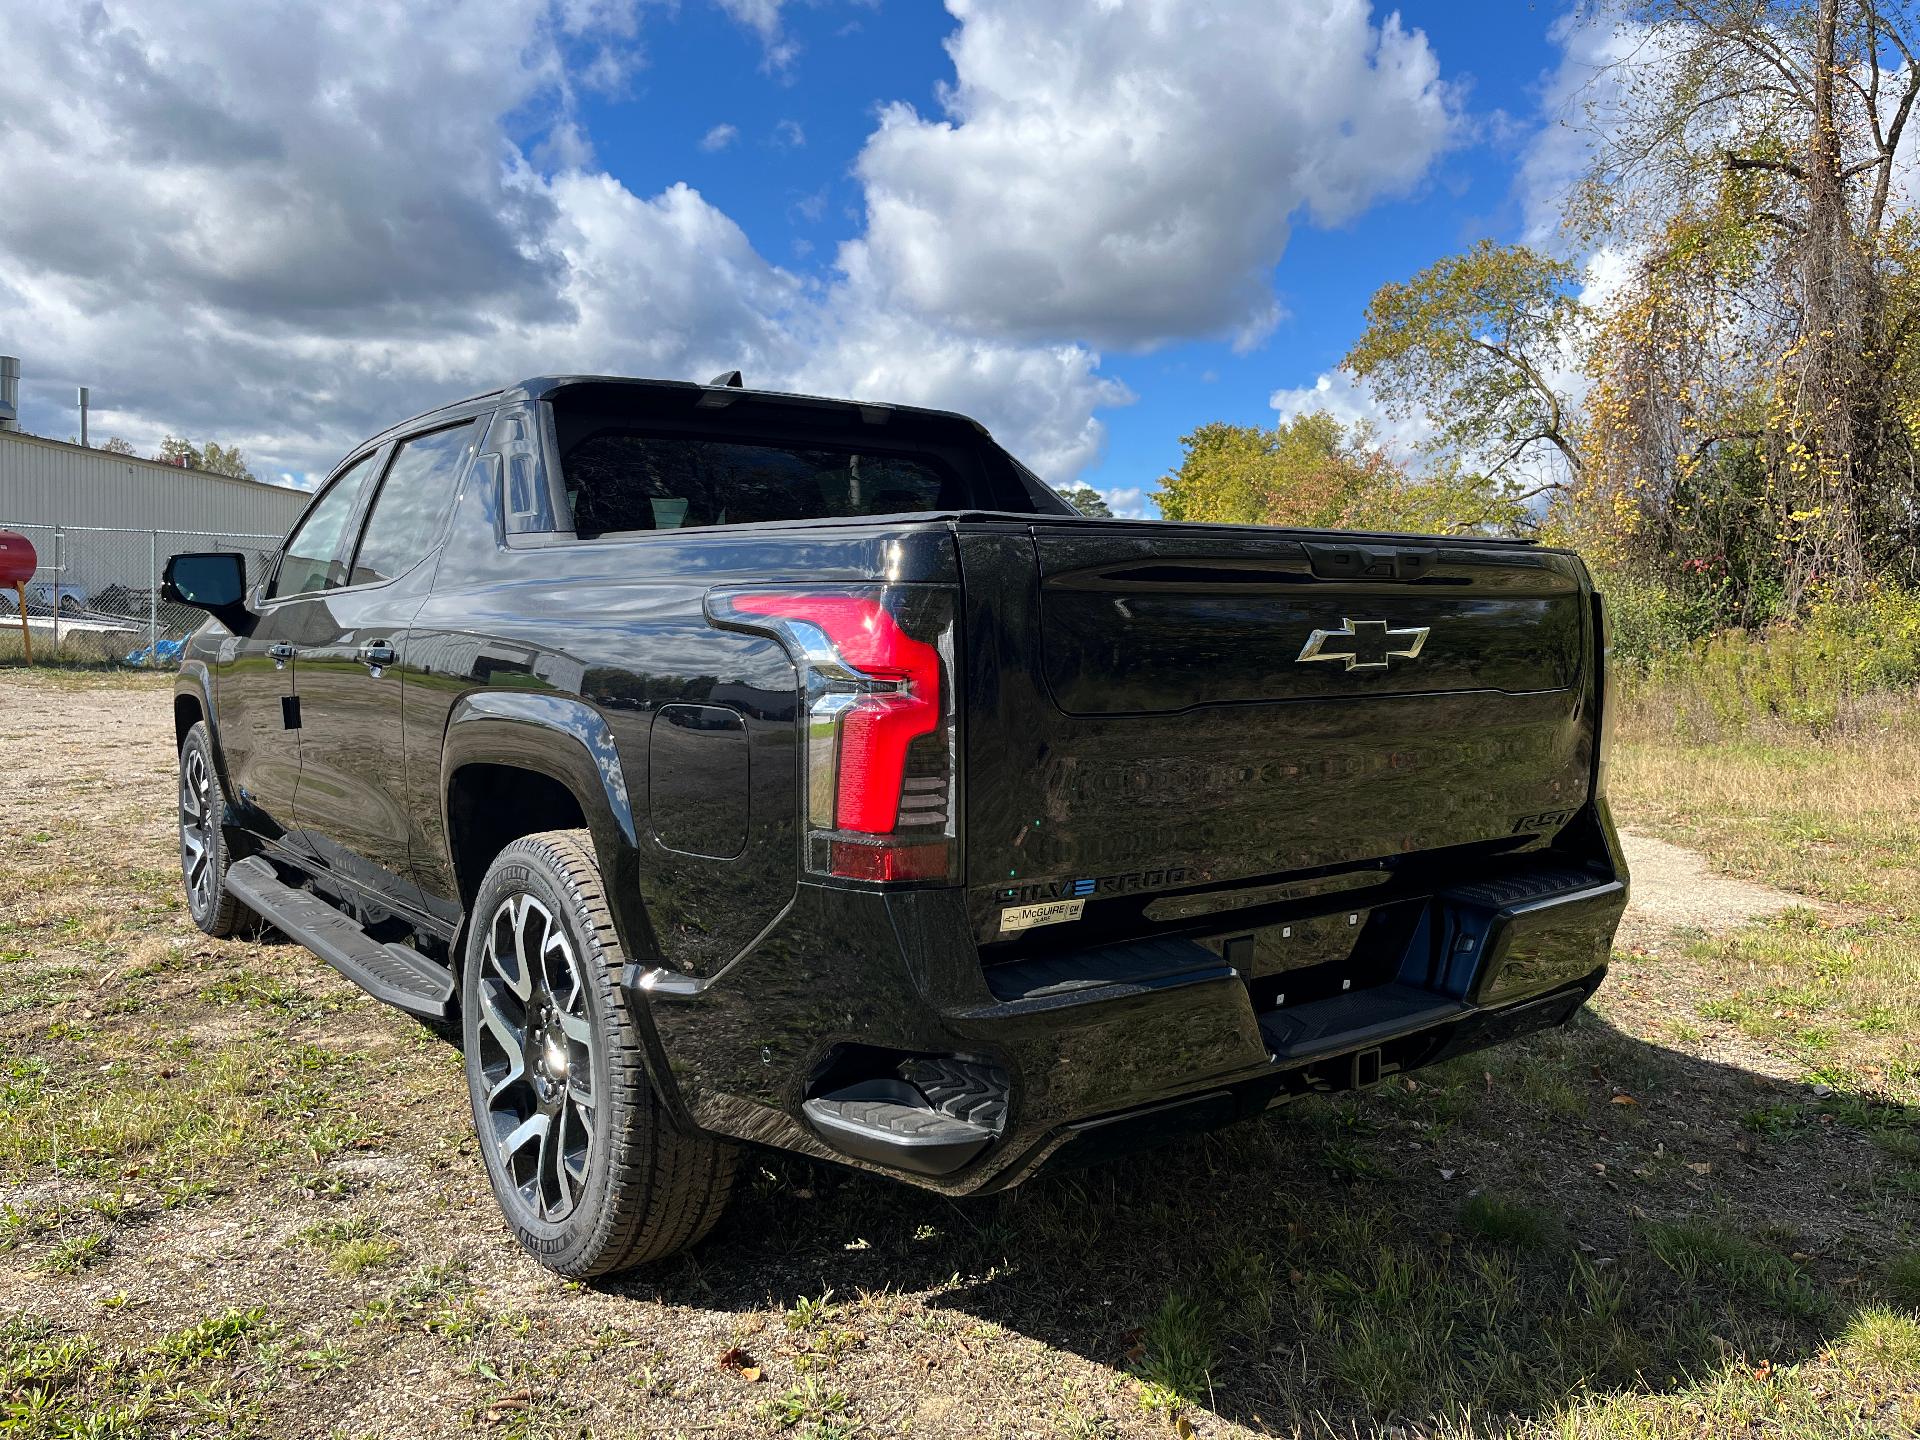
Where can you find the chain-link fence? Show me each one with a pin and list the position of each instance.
(95, 597)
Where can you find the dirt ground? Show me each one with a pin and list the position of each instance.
(238, 1197)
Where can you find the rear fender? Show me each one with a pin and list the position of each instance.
(565, 739)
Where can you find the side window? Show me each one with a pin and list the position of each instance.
(407, 512)
(312, 559)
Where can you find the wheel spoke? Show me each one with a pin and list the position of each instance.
(511, 1037)
(530, 1130)
(510, 968)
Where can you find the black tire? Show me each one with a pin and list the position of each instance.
(606, 1181)
(203, 841)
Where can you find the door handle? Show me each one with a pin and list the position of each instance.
(281, 652)
(377, 654)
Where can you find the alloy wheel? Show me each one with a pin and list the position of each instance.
(536, 1057)
(196, 829)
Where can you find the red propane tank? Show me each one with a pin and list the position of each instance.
(17, 559)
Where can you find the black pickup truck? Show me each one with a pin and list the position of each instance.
(740, 767)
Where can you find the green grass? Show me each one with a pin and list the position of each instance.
(1511, 1223)
(353, 1245)
(1703, 1252)
(1178, 1344)
(1903, 1278)
(253, 1099)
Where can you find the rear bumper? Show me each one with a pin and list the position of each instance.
(1100, 1051)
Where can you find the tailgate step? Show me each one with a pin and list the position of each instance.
(393, 973)
(1355, 1019)
(890, 1123)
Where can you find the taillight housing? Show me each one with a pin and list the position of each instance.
(876, 678)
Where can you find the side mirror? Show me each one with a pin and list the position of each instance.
(215, 582)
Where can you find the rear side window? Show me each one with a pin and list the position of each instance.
(413, 498)
(624, 480)
(312, 558)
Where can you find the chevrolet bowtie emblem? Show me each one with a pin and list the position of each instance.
(1363, 644)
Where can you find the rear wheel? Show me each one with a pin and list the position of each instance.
(588, 1169)
(203, 843)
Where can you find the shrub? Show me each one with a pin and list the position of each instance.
(1810, 675)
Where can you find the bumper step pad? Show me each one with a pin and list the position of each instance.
(392, 973)
(1356, 1019)
(890, 1123)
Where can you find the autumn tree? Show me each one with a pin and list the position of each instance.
(1085, 499)
(212, 457)
(1474, 346)
(1755, 378)
(1313, 470)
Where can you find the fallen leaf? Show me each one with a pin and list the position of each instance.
(1599, 1167)
(1700, 1167)
(1448, 1174)
(739, 1361)
(501, 1406)
(1183, 1427)
(1623, 1099)
(750, 1374)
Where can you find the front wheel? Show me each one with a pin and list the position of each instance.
(588, 1169)
(203, 843)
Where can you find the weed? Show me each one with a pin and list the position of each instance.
(1505, 1222)
(1177, 1353)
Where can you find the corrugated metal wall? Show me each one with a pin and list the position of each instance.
(44, 482)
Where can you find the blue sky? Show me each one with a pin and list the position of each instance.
(797, 203)
(1094, 225)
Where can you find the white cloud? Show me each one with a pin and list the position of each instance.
(789, 135)
(296, 259)
(285, 227)
(1128, 173)
(763, 18)
(1130, 502)
(719, 137)
(1352, 403)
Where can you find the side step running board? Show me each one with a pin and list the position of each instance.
(392, 973)
(889, 1123)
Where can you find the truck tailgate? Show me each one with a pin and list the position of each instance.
(1147, 708)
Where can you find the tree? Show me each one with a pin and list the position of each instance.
(1754, 164)
(1472, 344)
(214, 458)
(116, 446)
(1085, 499)
(1314, 471)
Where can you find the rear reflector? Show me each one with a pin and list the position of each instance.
(854, 861)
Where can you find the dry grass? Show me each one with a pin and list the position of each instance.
(237, 1198)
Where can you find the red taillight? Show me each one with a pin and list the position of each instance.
(876, 668)
(877, 729)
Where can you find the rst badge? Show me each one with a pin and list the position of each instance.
(1050, 912)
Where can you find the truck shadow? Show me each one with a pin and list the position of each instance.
(1580, 1214)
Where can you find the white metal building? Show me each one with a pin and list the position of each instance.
(48, 482)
